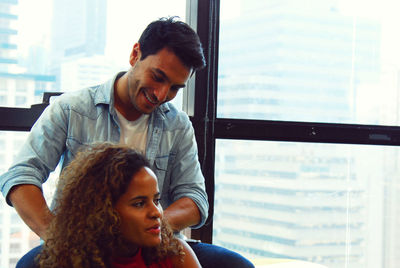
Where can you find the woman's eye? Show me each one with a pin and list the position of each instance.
(138, 204)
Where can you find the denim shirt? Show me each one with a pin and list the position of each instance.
(80, 118)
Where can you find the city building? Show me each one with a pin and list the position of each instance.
(279, 60)
(18, 88)
(78, 31)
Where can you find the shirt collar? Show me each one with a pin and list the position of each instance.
(105, 95)
(105, 92)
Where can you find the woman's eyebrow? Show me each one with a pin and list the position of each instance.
(143, 197)
(139, 197)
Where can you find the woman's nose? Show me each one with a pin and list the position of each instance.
(155, 211)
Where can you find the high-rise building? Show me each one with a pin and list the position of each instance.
(79, 28)
(86, 71)
(295, 200)
(18, 88)
(78, 31)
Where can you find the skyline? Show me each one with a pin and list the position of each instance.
(124, 24)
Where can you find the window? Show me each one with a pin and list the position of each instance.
(324, 61)
(324, 203)
(21, 86)
(303, 126)
(20, 101)
(76, 37)
(15, 247)
(13, 262)
(80, 43)
(3, 84)
(301, 107)
(3, 100)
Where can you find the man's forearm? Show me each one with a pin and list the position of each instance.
(182, 213)
(29, 202)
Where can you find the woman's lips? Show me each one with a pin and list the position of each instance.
(154, 230)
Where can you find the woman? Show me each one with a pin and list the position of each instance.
(108, 215)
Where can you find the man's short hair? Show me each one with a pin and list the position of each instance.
(176, 36)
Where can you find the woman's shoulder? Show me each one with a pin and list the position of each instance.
(189, 260)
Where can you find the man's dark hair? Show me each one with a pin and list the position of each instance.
(176, 36)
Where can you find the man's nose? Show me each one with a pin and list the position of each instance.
(161, 93)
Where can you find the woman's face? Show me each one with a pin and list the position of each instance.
(140, 210)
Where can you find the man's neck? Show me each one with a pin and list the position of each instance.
(121, 99)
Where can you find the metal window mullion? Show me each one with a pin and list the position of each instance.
(205, 103)
(306, 132)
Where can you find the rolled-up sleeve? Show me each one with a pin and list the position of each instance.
(187, 178)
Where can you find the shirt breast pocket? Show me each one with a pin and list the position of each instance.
(73, 147)
(161, 169)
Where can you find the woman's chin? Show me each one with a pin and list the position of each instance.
(153, 242)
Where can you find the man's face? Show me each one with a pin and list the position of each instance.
(155, 80)
(140, 210)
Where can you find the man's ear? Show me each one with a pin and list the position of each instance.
(135, 54)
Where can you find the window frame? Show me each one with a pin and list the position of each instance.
(209, 128)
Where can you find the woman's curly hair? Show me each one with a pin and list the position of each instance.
(86, 227)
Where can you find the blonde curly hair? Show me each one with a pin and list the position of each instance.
(86, 227)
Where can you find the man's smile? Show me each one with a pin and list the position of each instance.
(148, 97)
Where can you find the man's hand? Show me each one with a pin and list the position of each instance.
(29, 202)
(182, 213)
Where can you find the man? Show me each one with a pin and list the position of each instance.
(132, 108)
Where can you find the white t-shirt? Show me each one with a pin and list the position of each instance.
(134, 133)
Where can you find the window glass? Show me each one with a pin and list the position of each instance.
(13, 262)
(71, 45)
(20, 100)
(335, 205)
(3, 84)
(79, 44)
(16, 238)
(15, 247)
(21, 85)
(324, 61)
(3, 100)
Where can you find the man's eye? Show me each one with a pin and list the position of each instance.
(158, 78)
